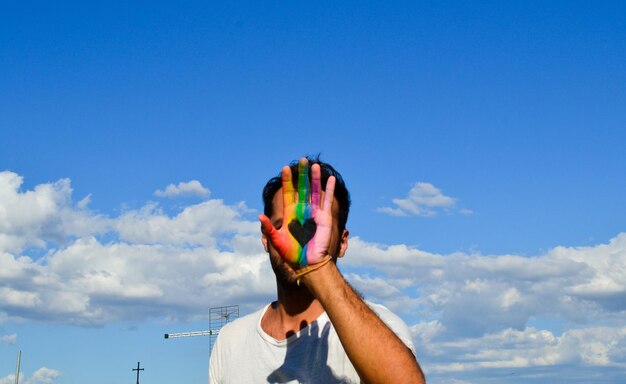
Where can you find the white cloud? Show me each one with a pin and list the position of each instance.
(153, 264)
(425, 332)
(424, 199)
(43, 214)
(190, 188)
(480, 293)
(9, 339)
(476, 310)
(530, 347)
(466, 311)
(197, 224)
(41, 376)
(90, 282)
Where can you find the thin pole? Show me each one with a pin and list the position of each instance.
(138, 369)
(17, 370)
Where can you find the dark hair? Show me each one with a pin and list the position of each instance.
(341, 192)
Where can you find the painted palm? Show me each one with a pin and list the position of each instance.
(307, 220)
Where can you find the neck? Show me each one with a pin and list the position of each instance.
(294, 310)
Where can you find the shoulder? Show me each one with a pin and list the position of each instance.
(394, 322)
(227, 346)
(242, 325)
(383, 312)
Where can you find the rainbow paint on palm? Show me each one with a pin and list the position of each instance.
(304, 237)
(301, 224)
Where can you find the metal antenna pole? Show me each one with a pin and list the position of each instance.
(138, 369)
(218, 317)
(208, 332)
(17, 370)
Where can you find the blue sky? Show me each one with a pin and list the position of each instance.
(483, 145)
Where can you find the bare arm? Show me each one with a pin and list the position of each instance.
(377, 354)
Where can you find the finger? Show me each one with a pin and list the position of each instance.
(266, 224)
(303, 188)
(268, 228)
(330, 193)
(288, 191)
(315, 187)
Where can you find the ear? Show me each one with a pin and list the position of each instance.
(343, 243)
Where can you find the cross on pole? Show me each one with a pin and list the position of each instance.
(138, 369)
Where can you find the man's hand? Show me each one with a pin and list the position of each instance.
(304, 237)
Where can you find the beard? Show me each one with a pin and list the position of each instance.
(285, 275)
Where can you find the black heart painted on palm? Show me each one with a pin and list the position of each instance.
(302, 232)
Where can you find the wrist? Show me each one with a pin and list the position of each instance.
(326, 283)
(304, 273)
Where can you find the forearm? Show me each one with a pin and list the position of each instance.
(377, 354)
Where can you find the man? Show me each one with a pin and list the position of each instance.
(319, 330)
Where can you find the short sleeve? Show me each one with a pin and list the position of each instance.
(215, 366)
(395, 323)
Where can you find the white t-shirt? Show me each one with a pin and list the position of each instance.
(244, 353)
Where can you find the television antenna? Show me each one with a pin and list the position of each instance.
(218, 317)
(17, 369)
(138, 370)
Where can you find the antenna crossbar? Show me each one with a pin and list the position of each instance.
(193, 333)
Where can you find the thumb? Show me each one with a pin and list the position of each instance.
(268, 229)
